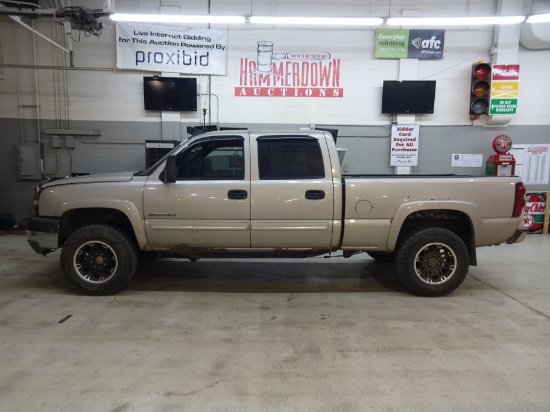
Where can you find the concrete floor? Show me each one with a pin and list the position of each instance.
(307, 335)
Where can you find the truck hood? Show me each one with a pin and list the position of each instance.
(97, 178)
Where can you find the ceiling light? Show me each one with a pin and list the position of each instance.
(454, 21)
(322, 21)
(539, 18)
(177, 18)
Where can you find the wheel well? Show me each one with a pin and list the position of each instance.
(453, 220)
(73, 220)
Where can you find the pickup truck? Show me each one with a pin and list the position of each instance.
(271, 194)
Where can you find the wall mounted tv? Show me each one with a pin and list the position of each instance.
(408, 96)
(176, 94)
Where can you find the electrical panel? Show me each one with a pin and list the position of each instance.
(29, 157)
(56, 142)
(70, 142)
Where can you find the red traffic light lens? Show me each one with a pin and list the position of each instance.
(481, 71)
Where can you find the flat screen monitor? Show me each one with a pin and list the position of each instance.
(408, 96)
(333, 132)
(175, 94)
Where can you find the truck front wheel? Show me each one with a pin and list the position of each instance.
(432, 262)
(99, 260)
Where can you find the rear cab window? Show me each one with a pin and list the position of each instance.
(281, 158)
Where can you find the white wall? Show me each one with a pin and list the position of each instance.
(117, 95)
(112, 101)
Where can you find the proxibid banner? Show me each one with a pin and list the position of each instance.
(152, 47)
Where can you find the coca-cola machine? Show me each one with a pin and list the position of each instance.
(502, 163)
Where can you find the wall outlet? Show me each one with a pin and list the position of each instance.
(67, 26)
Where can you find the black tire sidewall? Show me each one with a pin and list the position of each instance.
(118, 241)
(405, 262)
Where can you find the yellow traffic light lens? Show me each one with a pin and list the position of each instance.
(480, 89)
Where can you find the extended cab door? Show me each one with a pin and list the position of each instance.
(292, 193)
(209, 204)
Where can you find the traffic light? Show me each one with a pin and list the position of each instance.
(480, 89)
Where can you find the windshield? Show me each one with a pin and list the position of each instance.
(148, 171)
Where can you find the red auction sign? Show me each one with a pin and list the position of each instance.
(505, 72)
(296, 74)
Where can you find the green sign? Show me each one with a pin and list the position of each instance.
(391, 44)
(503, 106)
(409, 44)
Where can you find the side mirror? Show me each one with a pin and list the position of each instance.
(170, 172)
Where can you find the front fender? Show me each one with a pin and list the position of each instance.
(125, 206)
(405, 210)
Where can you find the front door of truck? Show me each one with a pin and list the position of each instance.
(292, 193)
(209, 204)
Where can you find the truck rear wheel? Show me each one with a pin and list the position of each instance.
(432, 262)
(99, 260)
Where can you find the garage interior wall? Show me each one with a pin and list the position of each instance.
(111, 101)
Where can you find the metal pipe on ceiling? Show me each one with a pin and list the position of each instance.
(33, 66)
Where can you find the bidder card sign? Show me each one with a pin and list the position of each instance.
(404, 145)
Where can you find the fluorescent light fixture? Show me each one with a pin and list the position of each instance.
(321, 21)
(177, 18)
(454, 21)
(539, 18)
(330, 21)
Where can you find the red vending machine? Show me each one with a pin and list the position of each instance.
(501, 163)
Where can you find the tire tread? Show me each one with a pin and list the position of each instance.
(118, 240)
(407, 250)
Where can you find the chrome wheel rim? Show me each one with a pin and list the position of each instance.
(435, 263)
(95, 262)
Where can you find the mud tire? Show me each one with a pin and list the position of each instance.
(432, 262)
(99, 260)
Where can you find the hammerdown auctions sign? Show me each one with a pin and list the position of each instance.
(152, 47)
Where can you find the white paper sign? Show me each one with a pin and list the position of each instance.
(532, 162)
(404, 145)
(153, 47)
(466, 160)
(477, 160)
(456, 160)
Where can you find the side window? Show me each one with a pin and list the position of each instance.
(212, 160)
(291, 158)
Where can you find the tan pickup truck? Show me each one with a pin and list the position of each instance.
(272, 194)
